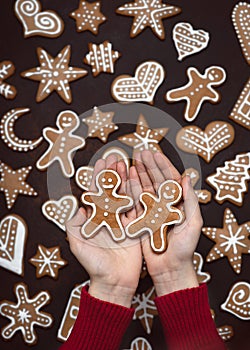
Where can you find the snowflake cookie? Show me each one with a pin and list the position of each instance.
(7, 69)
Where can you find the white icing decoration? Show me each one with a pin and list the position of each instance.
(241, 111)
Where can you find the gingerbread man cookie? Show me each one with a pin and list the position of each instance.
(198, 90)
(159, 213)
(62, 143)
(107, 204)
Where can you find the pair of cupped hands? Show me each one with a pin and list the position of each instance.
(114, 269)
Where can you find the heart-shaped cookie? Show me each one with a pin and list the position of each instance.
(84, 176)
(240, 18)
(188, 40)
(206, 144)
(60, 211)
(37, 22)
(142, 87)
(13, 234)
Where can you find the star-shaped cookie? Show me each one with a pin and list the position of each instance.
(144, 137)
(88, 16)
(12, 183)
(54, 74)
(100, 124)
(231, 241)
(148, 13)
(47, 261)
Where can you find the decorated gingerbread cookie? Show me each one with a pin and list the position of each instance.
(189, 41)
(140, 343)
(199, 89)
(37, 22)
(231, 241)
(148, 13)
(7, 69)
(62, 143)
(47, 261)
(203, 277)
(159, 213)
(230, 180)
(238, 301)
(148, 77)
(13, 235)
(54, 74)
(107, 205)
(226, 332)
(240, 18)
(88, 16)
(217, 136)
(144, 138)
(101, 58)
(241, 111)
(145, 308)
(8, 134)
(25, 314)
(204, 196)
(84, 176)
(120, 154)
(60, 211)
(13, 183)
(100, 124)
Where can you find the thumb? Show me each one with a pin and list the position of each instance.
(191, 204)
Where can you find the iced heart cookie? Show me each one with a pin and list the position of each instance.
(199, 89)
(7, 69)
(107, 205)
(25, 314)
(241, 111)
(13, 235)
(240, 18)
(231, 241)
(142, 87)
(8, 134)
(84, 176)
(62, 143)
(217, 136)
(54, 74)
(189, 41)
(37, 22)
(230, 180)
(159, 213)
(148, 13)
(60, 211)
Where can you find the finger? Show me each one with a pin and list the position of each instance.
(168, 170)
(191, 203)
(136, 189)
(111, 162)
(153, 170)
(122, 171)
(131, 214)
(99, 166)
(145, 180)
(73, 226)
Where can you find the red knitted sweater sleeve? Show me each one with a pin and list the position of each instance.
(187, 321)
(99, 326)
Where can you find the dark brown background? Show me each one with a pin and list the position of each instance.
(223, 50)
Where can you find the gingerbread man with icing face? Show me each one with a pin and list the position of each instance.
(62, 143)
(158, 214)
(107, 204)
(198, 90)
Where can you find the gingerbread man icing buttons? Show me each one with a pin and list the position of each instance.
(159, 213)
(198, 90)
(107, 205)
(62, 143)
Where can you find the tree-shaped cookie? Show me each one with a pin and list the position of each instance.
(107, 205)
(159, 213)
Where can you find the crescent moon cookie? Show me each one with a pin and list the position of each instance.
(217, 136)
(240, 18)
(13, 235)
(13, 183)
(189, 41)
(198, 90)
(7, 69)
(159, 213)
(231, 241)
(25, 314)
(148, 77)
(230, 180)
(37, 22)
(62, 143)
(241, 111)
(54, 74)
(107, 205)
(148, 13)
(8, 135)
